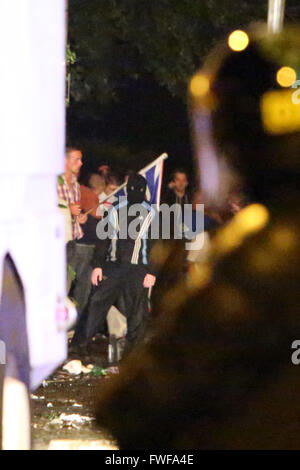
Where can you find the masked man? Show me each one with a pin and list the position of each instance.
(121, 265)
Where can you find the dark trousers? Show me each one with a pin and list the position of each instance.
(79, 258)
(121, 282)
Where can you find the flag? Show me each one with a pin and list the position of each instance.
(153, 174)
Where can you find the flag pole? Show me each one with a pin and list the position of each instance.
(163, 156)
(276, 12)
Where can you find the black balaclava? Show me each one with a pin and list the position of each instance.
(136, 189)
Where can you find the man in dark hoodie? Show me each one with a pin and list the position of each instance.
(121, 266)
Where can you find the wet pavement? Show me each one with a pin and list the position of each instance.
(63, 407)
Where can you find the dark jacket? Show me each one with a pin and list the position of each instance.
(128, 236)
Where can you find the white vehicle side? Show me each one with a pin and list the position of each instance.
(32, 128)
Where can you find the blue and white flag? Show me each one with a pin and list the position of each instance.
(153, 174)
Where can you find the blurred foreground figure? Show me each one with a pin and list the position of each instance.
(218, 371)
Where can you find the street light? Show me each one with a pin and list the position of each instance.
(276, 15)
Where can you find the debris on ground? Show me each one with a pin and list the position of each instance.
(35, 397)
(72, 420)
(72, 395)
(75, 367)
(87, 369)
(112, 370)
(97, 371)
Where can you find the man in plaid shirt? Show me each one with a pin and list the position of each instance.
(69, 190)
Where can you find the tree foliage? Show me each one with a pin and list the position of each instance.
(120, 40)
(133, 62)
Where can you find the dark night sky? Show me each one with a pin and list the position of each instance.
(146, 119)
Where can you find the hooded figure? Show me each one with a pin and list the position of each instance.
(219, 372)
(121, 268)
(136, 189)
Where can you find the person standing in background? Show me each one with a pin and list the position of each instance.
(176, 197)
(68, 190)
(177, 189)
(111, 184)
(85, 247)
(97, 183)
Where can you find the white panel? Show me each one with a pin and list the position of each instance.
(32, 127)
(32, 70)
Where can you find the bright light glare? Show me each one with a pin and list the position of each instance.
(199, 85)
(286, 76)
(238, 41)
